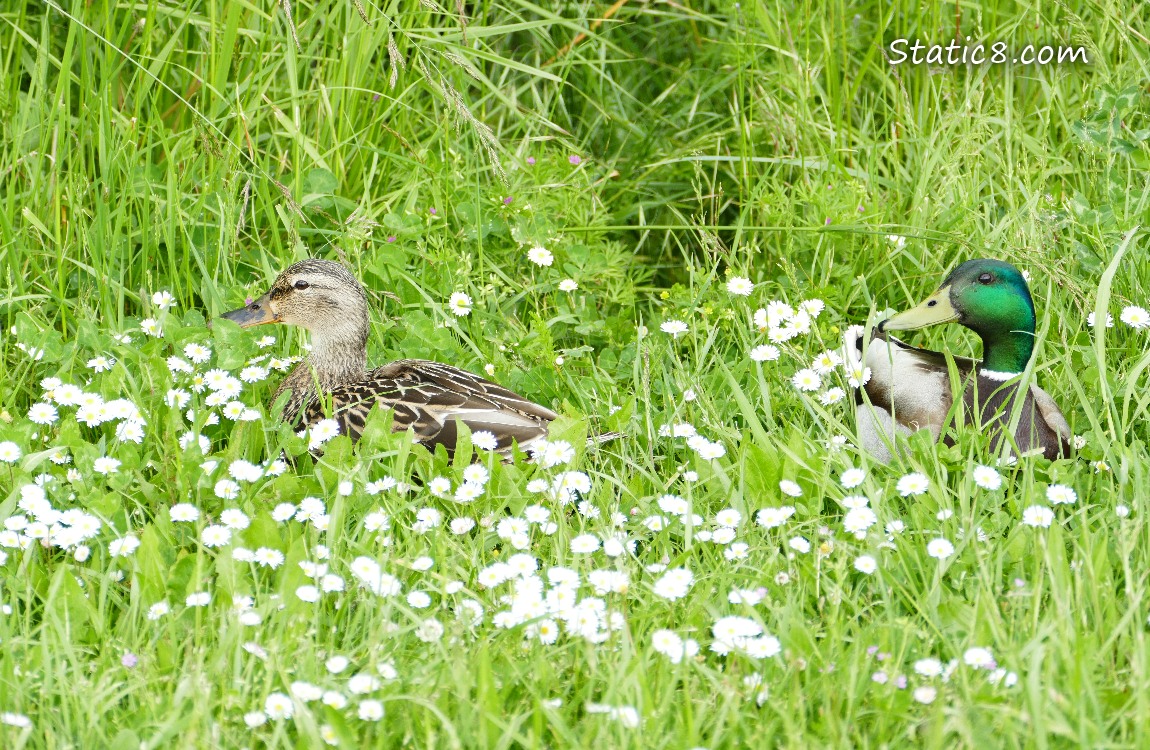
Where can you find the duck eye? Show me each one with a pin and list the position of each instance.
(985, 278)
(301, 285)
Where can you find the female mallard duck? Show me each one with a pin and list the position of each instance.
(428, 397)
(909, 388)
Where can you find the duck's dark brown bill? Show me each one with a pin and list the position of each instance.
(257, 313)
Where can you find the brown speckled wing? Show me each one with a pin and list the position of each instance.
(430, 398)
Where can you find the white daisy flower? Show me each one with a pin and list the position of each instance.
(540, 256)
(459, 304)
(986, 477)
(740, 286)
(764, 353)
(1135, 317)
(940, 548)
(1038, 516)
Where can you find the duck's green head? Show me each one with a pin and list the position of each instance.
(989, 297)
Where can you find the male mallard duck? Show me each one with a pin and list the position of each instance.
(909, 388)
(428, 397)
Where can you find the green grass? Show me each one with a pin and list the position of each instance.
(200, 147)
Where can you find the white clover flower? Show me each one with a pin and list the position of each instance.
(459, 304)
(740, 286)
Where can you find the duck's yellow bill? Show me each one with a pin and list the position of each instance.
(934, 309)
(258, 313)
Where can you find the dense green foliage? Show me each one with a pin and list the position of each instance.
(197, 148)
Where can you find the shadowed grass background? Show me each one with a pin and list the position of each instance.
(200, 147)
